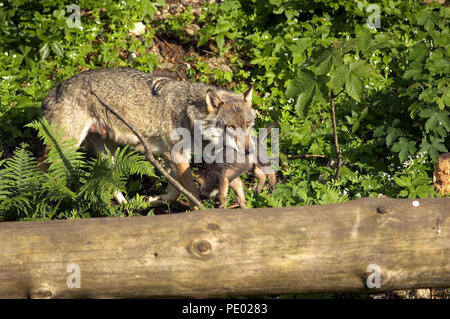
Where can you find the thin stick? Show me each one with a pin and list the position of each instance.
(150, 157)
(293, 157)
(336, 142)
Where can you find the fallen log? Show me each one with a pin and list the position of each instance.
(326, 248)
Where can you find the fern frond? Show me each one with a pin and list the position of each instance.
(101, 182)
(65, 158)
(128, 162)
(19, 176)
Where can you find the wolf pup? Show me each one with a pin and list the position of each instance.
(217, 176)
(155, 106)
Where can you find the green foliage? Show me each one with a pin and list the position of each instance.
(393, 82)
(44, 43)
(69, 188)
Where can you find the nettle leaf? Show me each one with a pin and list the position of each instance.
(304, 80)
(418, 52)
(392, 135)
(434, 147)
(404, 181)
(357, 71)
(298, 50)
(339, 76)
(362, 69)
(412, 74)
(364, 113)
(354, 86)
(57, 49)
(435, 118)
(303, 88)
(379, 131)
(44, 51)
(324, 58)
(323, 91)
(205, 34)
(304, 101)
(404, 147)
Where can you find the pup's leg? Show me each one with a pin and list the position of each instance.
(223, 191)
(272, 181)
(261, 178)
(238, 186)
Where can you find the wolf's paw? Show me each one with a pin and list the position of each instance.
(118, 196)
(154, 200)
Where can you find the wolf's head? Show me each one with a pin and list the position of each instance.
(229, 121)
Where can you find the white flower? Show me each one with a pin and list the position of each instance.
(139, 29)
(6, 53)
(267, 94)
(295, 39)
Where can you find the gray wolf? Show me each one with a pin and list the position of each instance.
(217, 176)
(155, 106)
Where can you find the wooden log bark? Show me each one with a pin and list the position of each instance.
(325, 248)
(441, 174)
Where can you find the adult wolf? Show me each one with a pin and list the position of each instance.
(155, 106)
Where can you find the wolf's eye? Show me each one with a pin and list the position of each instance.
(231, 127)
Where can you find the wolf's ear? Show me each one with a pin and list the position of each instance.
(213, 101)
(248, 96)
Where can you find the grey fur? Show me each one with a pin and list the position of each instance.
(154, 105)
(217, 176)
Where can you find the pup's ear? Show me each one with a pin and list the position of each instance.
(248, 96)
(213, 101)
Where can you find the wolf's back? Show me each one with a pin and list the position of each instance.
(153, 104)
